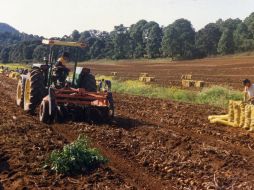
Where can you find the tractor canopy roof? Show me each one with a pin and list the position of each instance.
(63, 43)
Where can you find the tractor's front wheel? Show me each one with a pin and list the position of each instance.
(44, 115)
(34, 90)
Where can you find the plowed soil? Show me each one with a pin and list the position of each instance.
(223, 71)
(152, 144)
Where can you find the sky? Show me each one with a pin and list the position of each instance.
(56, 18)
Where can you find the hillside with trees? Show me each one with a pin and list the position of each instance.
(143, 39)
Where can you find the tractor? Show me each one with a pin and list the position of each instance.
(77, 98)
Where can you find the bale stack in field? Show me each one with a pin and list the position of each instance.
(144, 77)
(114, 74)
(186, 77)
(199, 84)
(239, 114)
(188, 82)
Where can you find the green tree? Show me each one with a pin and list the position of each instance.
(207, 39)
(242, 38)
(249, 21)
(28, 51)
(226, 43)
(179, 39)
(153, 41)
(121, 42)
(75, 35)
(5, 55)
(40, 52)
(136, 35)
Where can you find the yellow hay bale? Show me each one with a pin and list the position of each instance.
(12, 75)
(186, 77)
(223, 122)
(247, 115)
(242, 115)
(149, 79)
(142, 79)
(144, 75)
(224, 117)
(199, 84)
(188, 83)
(114, 73)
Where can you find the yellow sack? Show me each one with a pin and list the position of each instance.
(252, 118)
(242, 116)
(224, 117)
(223, 122)
(231, 111)
(247, 117)
(237, 113)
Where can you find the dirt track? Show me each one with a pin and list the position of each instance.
(153, 144)
(224, 71)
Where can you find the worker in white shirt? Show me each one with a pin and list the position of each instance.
(249, 91)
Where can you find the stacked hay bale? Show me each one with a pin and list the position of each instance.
(188, 82)
(149, 79)
(144, 77)
(186, 77)
(239, 114)
(114, 74)
(199, 84)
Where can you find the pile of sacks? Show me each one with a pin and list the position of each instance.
(240, 114)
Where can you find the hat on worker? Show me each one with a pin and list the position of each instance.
(246, 81)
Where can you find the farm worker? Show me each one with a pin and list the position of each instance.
(248, 91)
(60, 70)
(105, 85)
(64, 59)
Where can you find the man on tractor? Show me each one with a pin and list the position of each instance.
(60, 71)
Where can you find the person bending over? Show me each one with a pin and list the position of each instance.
(248, 91)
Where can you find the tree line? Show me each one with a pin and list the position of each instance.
(144, 39)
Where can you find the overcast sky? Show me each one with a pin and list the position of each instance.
(59, 17)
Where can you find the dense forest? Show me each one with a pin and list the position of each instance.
(144, 39)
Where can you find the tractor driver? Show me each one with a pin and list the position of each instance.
(248, 91)
(60, 71)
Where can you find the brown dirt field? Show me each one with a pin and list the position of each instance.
(223, 71)
(152, 144)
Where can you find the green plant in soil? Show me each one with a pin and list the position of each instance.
(75, 157)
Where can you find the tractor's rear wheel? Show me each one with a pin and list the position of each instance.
(44, 115)
(34, 90)
(20, 93)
